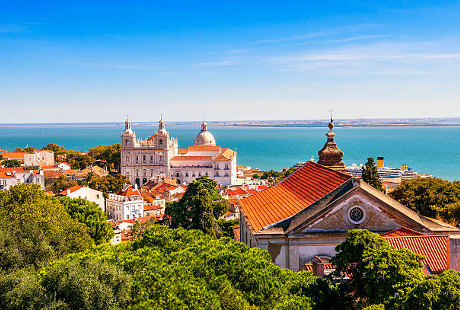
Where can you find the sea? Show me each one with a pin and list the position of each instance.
(430, 150)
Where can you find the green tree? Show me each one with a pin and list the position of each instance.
(57, 149)
(226, 227)
(199, 208)
(63, 183)
(35, 229)
(9, 163)
(271, 176)
(289, 171)
(431, 197)
(90, 214)
(109, 184)
(67, 285)
(109, 153)
(435, 292)
(376, 270)
(370, 174)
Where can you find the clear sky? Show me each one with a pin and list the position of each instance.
(96, 61)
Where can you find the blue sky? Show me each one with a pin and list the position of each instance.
(96, 61)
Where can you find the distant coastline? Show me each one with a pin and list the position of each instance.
(354, 123)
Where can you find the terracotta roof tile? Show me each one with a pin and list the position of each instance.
(14, 155)
(296, 192)
(52, 174)
(435, 248)
(8, 172)
(187, 158)
(236, 192)
(400, 232)
(198, 148)
(236, 232)
(129, 191)
(71, 189)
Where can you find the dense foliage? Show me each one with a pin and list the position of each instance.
(8, 163)
(370, 174)
(199, 208)
(36, 229)
(271, 176)
(68, 285)
(226, 227)
(62, 183)
(376, 270)
(108, 184)
(109, 153)
(90, 214)
(431, 197)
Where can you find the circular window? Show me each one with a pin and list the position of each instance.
(356, 215)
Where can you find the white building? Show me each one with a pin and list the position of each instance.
(126, 204)
(143, 160)
(39, 158)
(87, 193)
(17, 175)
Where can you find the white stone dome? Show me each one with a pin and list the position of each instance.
(205, 137)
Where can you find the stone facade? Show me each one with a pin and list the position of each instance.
(143, 160)
(159, 156)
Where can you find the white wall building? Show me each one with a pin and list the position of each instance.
(17, 175)
(39, 158)
(126, 204)
(143, 160)
(87, 193)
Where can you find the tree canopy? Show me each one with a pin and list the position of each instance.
(109, 183)
(376, 270)
(110, 153)
(90, 214)
(9, 163)
(431, 197)
(370, 174)
(35, 229)
(199, 208)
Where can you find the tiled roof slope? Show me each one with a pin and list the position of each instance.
(71, 189)
(435, 248)
(303, 187)
(402, 232)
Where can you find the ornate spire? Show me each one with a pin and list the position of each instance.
(127, 125)
(330, 155)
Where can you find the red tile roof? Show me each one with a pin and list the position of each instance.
(236, 192)
(129, 191)
(8, 172)
(52, 174)
(296, 192)
(71, 189)
(400, 232)
(309, 267)
(187, 158)
(14, 155)
(198, 148)
(435, 248)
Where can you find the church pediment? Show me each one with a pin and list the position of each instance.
(361, 207)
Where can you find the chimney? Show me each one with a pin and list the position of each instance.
(454, 252)
(318, 266)
(67, 192)
(380, 162)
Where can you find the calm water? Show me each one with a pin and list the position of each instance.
(433, 150)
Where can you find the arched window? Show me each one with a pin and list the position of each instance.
(161, 142)
(127, 142)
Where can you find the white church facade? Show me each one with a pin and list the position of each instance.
(160, 156)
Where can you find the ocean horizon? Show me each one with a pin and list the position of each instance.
(426, 149)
